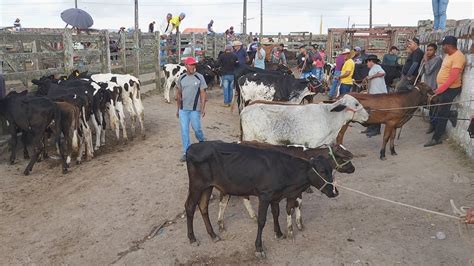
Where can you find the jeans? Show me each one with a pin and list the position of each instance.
(335, 83)
(439, 12)
(344, 89)
(443, 112)
(227, 86)
(194, 117)
(305, 74)
(318, 72)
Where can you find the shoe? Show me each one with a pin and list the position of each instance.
(365, 131)
(183, 158)
(432, 142)
(372, 134)
(431, 129)
(225, 105)
(453, 117)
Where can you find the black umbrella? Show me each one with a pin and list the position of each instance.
(77, 18)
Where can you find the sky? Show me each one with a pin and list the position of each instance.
(278, 15)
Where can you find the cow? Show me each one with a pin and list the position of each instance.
(361, 71)
(281, 88)
(131, 97)
(311, 125)
(70, 115)
(337, 155)
(33, 116)
(392, 109)
(247, 171)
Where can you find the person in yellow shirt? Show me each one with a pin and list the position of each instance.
(449, 82)
(176, 21)
(346, 73)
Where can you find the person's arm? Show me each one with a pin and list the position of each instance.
(377, 75)
(432, 65)
(453, 75)
(203, 95)
(179, 97)
(283, 57)
(417, 58)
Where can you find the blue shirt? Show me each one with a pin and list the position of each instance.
(241, 56)
(260, 63)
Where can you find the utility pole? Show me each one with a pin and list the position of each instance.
(321, 25)
(244, 19)
(261, 20)
(370, 18)
(136, 15)
(75, 3)
(136, 42)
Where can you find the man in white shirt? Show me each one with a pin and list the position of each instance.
(259, 60)
(376, 86)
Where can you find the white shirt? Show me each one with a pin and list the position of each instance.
(377, 85)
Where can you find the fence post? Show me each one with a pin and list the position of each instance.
(205, 44)
(105, 60)
(157, 61)
(279, 37)
(214, 46)
(193, 45)
(310, 37)
(179, 46)
(136, 51)
(68, 51)
(123, 51)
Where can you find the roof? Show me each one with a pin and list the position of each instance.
(195, 30)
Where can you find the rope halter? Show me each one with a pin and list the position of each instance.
(338, 165)
(325, 182)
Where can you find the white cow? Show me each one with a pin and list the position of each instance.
(172, 73)
(310, 125)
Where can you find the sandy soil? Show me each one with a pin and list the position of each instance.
(126, 206)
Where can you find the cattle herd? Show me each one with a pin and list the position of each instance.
(73, 106)
(285, 147)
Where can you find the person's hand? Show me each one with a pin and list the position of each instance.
(177, 114)
(203, 113)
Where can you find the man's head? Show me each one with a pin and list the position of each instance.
(303, 49)
(190, 64)
(237, 45)
(211, 22)
(228, 48)
(346, 53)
(182, 16)
(412, 44)
(394, 50)
(153, 22)
(450, 44)
(255, 39)
(431, 50)
(169, 16)
(281, 47)
(372, 60)
(357, 50)
(259, 45)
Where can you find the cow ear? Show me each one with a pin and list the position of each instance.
(35, 81)
(338, 108)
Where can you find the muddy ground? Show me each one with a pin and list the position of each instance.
(126, 205)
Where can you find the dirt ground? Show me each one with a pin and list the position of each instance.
(126, 205)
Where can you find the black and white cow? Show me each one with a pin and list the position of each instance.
(281, 88)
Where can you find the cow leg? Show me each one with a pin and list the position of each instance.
(13, 143)
(121, 116)
(114, 120)
(386, 135)
(102, 128)
(249, 208)
(24, 140)
(340, 135)
(97, 130)
(204, 208)
(224, 200)
(190, 207)
(137, 104)
(166, 93)
(133, 116)
(37, 149)
(276, 225)
(290, 207)
(262, 218)
(392, 141)
(299, 219)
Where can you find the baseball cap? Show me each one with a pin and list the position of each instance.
(357, 49)
(236, 43)
(190, 61)
(415, 40)
(346, 51)
(450, 40)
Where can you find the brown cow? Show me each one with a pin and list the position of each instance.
(400, 112)
(69, 127)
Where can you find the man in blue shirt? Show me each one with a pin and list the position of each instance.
(259, 60)
(240, 52)
(191, 102)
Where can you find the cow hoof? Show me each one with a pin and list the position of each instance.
(299, 226)
(216, 239)
(26, 157)
(26, 172)
(383, 158)
(260, 255)
(143, 136)
(78, 162)
(290, 235)
(221, 226)
(12, 162)
(195, 243)
(65, 171)
(279, 236)
(394, 153)
(96, 148)
(309, 190)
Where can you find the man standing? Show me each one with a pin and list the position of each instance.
(347, 72)
(432, 63)
(357, 57)
(412, 65)
(151, 27)
(259, 60)
(191, 101)
(337, 72)
(304, 62)
(166, 26)
(391, 59)
(449, 81)
(252, 49)
(210, 31)
(240, 52)
(376, 85)
(278, 55)
(176, 21)
(228, 61)
(17, 24)
(318, 64)
(439, 12)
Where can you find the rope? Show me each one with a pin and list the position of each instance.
(416, 106)
(399, 203)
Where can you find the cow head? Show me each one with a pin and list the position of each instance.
(355, 111)
(320, 176)
(340, 159)
(314, 84)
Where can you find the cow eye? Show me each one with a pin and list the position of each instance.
(357, 105)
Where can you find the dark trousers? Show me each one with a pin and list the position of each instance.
(3, 88)
(374, 128)
(442, 113)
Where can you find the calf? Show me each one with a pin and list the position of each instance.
(282, 88)
(338, 157)
(246, 171)
(398, 113)
(311, 125)
(33, 116)
(69, 127)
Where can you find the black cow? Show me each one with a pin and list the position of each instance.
(247, 171)
(33, 116)
(391, 73)
(281, 88)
